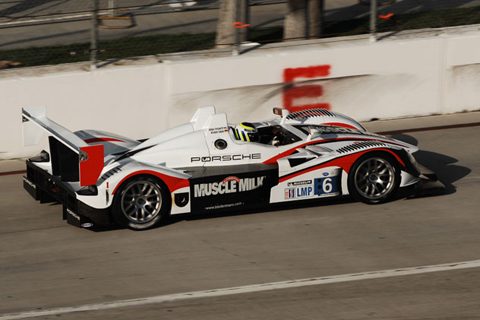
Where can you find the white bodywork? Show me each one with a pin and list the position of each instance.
(306, 164)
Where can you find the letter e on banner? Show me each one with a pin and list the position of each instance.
(292, 92)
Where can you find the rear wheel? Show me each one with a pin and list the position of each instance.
(374, 178)
(141, 203)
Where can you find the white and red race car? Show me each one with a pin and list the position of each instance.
(208, 164)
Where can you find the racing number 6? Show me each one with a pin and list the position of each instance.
(327, 185)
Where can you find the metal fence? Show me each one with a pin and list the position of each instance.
(41, 32)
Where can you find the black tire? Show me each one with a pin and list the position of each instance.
(374, 178)
(141, 203)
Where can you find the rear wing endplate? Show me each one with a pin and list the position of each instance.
(89, 158)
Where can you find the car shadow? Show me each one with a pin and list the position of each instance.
(443, 166)
(294, 205)
(236, 212)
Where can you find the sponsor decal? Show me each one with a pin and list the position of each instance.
(73, 214)
(218, 130)
(30, 183)
(225, 158)
(325, 174)
(231, 178)
(299, 183)
(298, 193)
(234, 190)
(230, 184)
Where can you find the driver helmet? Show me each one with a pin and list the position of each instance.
(246, 131)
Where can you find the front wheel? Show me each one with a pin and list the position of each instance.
(374, 178)
(141, 203)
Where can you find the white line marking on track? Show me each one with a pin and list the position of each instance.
(246, 289)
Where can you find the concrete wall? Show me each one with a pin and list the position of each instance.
(387, 79)
(125, 100)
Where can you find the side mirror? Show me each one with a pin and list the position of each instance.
(281, 112)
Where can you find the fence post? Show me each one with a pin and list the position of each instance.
(94, 37)
(236, 46)
(112, 6)
(373, 20)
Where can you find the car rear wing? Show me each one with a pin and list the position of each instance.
(72, 158)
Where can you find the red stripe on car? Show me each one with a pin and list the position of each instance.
(292, 150)
(344, 162)
(340, 124)
(173, 183)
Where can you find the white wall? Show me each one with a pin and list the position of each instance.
(388, 79)
(381, 80)
(126, 100)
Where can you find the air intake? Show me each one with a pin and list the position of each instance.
(311, 113)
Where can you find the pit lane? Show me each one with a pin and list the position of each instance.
(47, 264)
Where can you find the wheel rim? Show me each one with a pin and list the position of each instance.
(141, 202)
(374, 178)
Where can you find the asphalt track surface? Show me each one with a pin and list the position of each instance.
(335, 260)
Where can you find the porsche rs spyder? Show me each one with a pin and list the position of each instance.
(208, 164)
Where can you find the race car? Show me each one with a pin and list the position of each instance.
(209, 165)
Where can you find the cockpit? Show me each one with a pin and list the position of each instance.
(264, 133)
